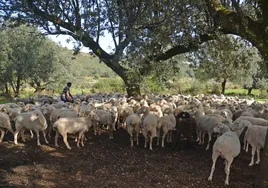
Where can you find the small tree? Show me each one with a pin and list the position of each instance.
(29, 58)
(228, 58)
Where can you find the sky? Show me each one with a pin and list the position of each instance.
(105, 42)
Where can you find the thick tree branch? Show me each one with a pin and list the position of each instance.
(231, 22)
(180, 49)
(82, 36)
(98, 22)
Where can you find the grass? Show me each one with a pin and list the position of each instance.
(4, 100)
(255, 92)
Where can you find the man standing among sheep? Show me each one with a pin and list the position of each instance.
(66, 95)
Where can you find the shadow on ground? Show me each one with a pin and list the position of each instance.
(112, 163)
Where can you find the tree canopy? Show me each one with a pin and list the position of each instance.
(228, 59)
(28, 57)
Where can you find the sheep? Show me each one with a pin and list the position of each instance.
(238, 126)
(105, 118)
(186, 126)
(123, 113)
(149, 124)
(255, 121)
(34, 120)
(54, 115)
(72, 125)
(255, 137)
(167, 124)
(5, 124)
(133, 124)
(205, 124)
(227, 146)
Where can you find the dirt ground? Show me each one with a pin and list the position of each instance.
(112, 163)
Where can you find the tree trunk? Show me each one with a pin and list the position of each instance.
(223, 84)
(17, 89)
(6, 87)
(262, 176)
(249, 90)
(133, 89)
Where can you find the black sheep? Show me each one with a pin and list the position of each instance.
(186, 126)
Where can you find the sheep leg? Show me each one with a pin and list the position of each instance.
(151, 143)
(38, 137)
(10, 130)
(227, 170)
(247, 147)
(56, 139)
(163, 139)
(252, 156)
(49, 131)
(83, 138)
(209, 140)
(79, 139)
(177, 140)
(145, 134)
(258, 156)
(111, 136)
(145, 142)
(22, 135)
(170, 136)
(114, 126)
(44, 135)
(203, 138)
(16, 136)
(66, 141)
(137, 138)
(98, 128)
(214, 159)
(131, 139)
(198, 136)
(95, 128)
(2, 134)
(76, 138)
(158, 137)
(200, 133)
(31, 133)
(245, 143)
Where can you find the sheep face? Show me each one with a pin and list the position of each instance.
(34, 116)
(183, 115)
(219, 128)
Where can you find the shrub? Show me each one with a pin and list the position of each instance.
(109, 85)
(197, 87)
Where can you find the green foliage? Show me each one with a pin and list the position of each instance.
(32, 58)
(197, 87)
(227, 58)
(109, 85)
(151, 85)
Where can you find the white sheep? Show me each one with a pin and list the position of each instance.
(4, 124)
(255, 121)
(167, 124)
(238, 126)
(255, 137)
(205, 124)
(34, 120)
(72, 125)
(133, 124)
(149, 124)
(226, 146)
(106, 118)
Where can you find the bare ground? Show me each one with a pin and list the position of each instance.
(112, 163)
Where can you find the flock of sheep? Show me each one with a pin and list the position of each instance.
(230, 118)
